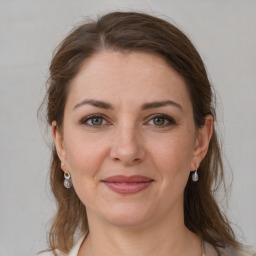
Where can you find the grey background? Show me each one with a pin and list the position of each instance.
(224, 33)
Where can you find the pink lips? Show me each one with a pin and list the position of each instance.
(127, 184)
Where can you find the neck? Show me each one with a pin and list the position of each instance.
(165, 238)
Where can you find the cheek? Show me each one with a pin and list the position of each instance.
(84, 158)
(84, 155)
(173, 157)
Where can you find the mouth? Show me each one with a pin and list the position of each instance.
(127, 184)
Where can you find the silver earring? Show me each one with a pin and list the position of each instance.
(67, 180)
(195, 176)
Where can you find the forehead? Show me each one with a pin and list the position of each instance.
(120, 77)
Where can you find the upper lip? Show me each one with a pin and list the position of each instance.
(127, 179)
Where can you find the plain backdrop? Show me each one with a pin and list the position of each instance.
(224, 33)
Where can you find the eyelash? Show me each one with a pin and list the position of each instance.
(170, 120)
(91, 117)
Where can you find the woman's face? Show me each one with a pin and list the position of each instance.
(129, 138)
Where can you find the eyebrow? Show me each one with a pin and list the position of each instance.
(158, 104)
(95, 103)
(145, 106)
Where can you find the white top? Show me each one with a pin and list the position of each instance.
(207, 249)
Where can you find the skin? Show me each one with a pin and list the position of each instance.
(129, 140)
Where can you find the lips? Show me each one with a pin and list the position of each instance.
(127, 184)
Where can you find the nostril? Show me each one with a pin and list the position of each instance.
(127, 149)
(128, 159)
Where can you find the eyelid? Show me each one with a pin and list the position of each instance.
(92, 116)
(171, 120)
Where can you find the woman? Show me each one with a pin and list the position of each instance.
(136, 158)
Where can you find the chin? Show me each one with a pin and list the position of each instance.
(127, 216)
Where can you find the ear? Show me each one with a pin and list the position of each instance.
(59, 143)
(204, 135)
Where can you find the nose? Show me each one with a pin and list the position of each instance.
(127, 146)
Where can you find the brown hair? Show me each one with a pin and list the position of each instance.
(131, 31)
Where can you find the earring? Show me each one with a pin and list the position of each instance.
(67, 180)
(195, 176)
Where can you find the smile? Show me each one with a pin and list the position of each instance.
(127, 184)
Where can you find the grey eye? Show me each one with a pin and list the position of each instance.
(162, 121)
(159, 121)
(96, 121)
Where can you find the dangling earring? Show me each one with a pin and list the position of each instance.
(195, 176)
(67, 180)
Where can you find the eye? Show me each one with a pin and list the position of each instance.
(162, 120)
(94, 120)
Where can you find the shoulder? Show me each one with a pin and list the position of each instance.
(248, 251)
(244, 251)
(227, 251)
(72, 252)
(51, 253)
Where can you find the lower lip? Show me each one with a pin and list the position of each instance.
(128, 188)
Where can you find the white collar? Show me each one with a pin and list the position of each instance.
(75, 249)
